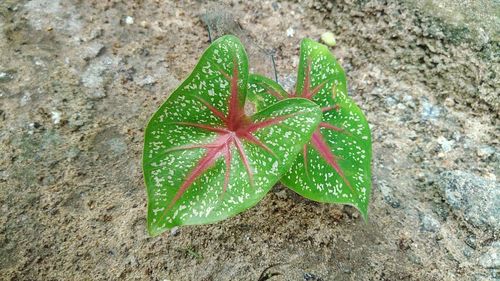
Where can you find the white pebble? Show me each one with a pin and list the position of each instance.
(446, 145)
(329, 39)
(56, 117)
(129, 20)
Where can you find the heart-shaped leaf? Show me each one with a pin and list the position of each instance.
(335, 165)
(204, 158)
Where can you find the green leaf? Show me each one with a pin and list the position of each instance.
(335, 166)
(204, 159)
(264, 92)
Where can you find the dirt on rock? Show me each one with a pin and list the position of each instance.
(80, 79)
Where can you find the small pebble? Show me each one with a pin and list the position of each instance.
(98, 94)
(329, 39)
(174, 231)
(491, 258)
(5, 76)
(429, 223)
(148, 80)
(446, 145)
(430, 111)
(485, 151)
(129, 20)
(56, 117)
(25, 99)
(290, 32)
(91, 51)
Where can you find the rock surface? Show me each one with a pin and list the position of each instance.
(80, 79)
(491, 258)
(475, 199)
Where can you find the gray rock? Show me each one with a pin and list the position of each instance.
(146, 81)
(485, 151)
(91, 78)
(53, 13)
(471, 241)
(117, 145)
(446, 145)
(92, 50)
(468, 251)
(132, 261)
(408, 101)
(388, 196)
(430, 111)
(429, 223)
(97, 94)
(311, 277)
(174, 231)
(491, 258)
(390, 101)
(474, 198)
(6, 76)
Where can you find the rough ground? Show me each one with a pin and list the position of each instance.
(78, 82)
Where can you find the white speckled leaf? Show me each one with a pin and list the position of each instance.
(264, 92)
(204, 159)
(335, 166)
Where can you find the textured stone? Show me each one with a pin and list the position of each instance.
(473, 197)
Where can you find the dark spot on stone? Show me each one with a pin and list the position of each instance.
(470, 240)
(393, 202)
(311, 277)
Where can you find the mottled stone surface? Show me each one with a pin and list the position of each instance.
(80, 79)
(475, 199)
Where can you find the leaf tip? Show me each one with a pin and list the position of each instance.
(154, 231)
(364, 214)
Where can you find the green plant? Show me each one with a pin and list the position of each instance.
(334, 166)
(206, 159)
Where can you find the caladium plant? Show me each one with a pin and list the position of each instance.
(204, 158)
(334, 166)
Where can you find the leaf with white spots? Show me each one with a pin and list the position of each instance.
(264, 92)
(204, 159)
(335, 166)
